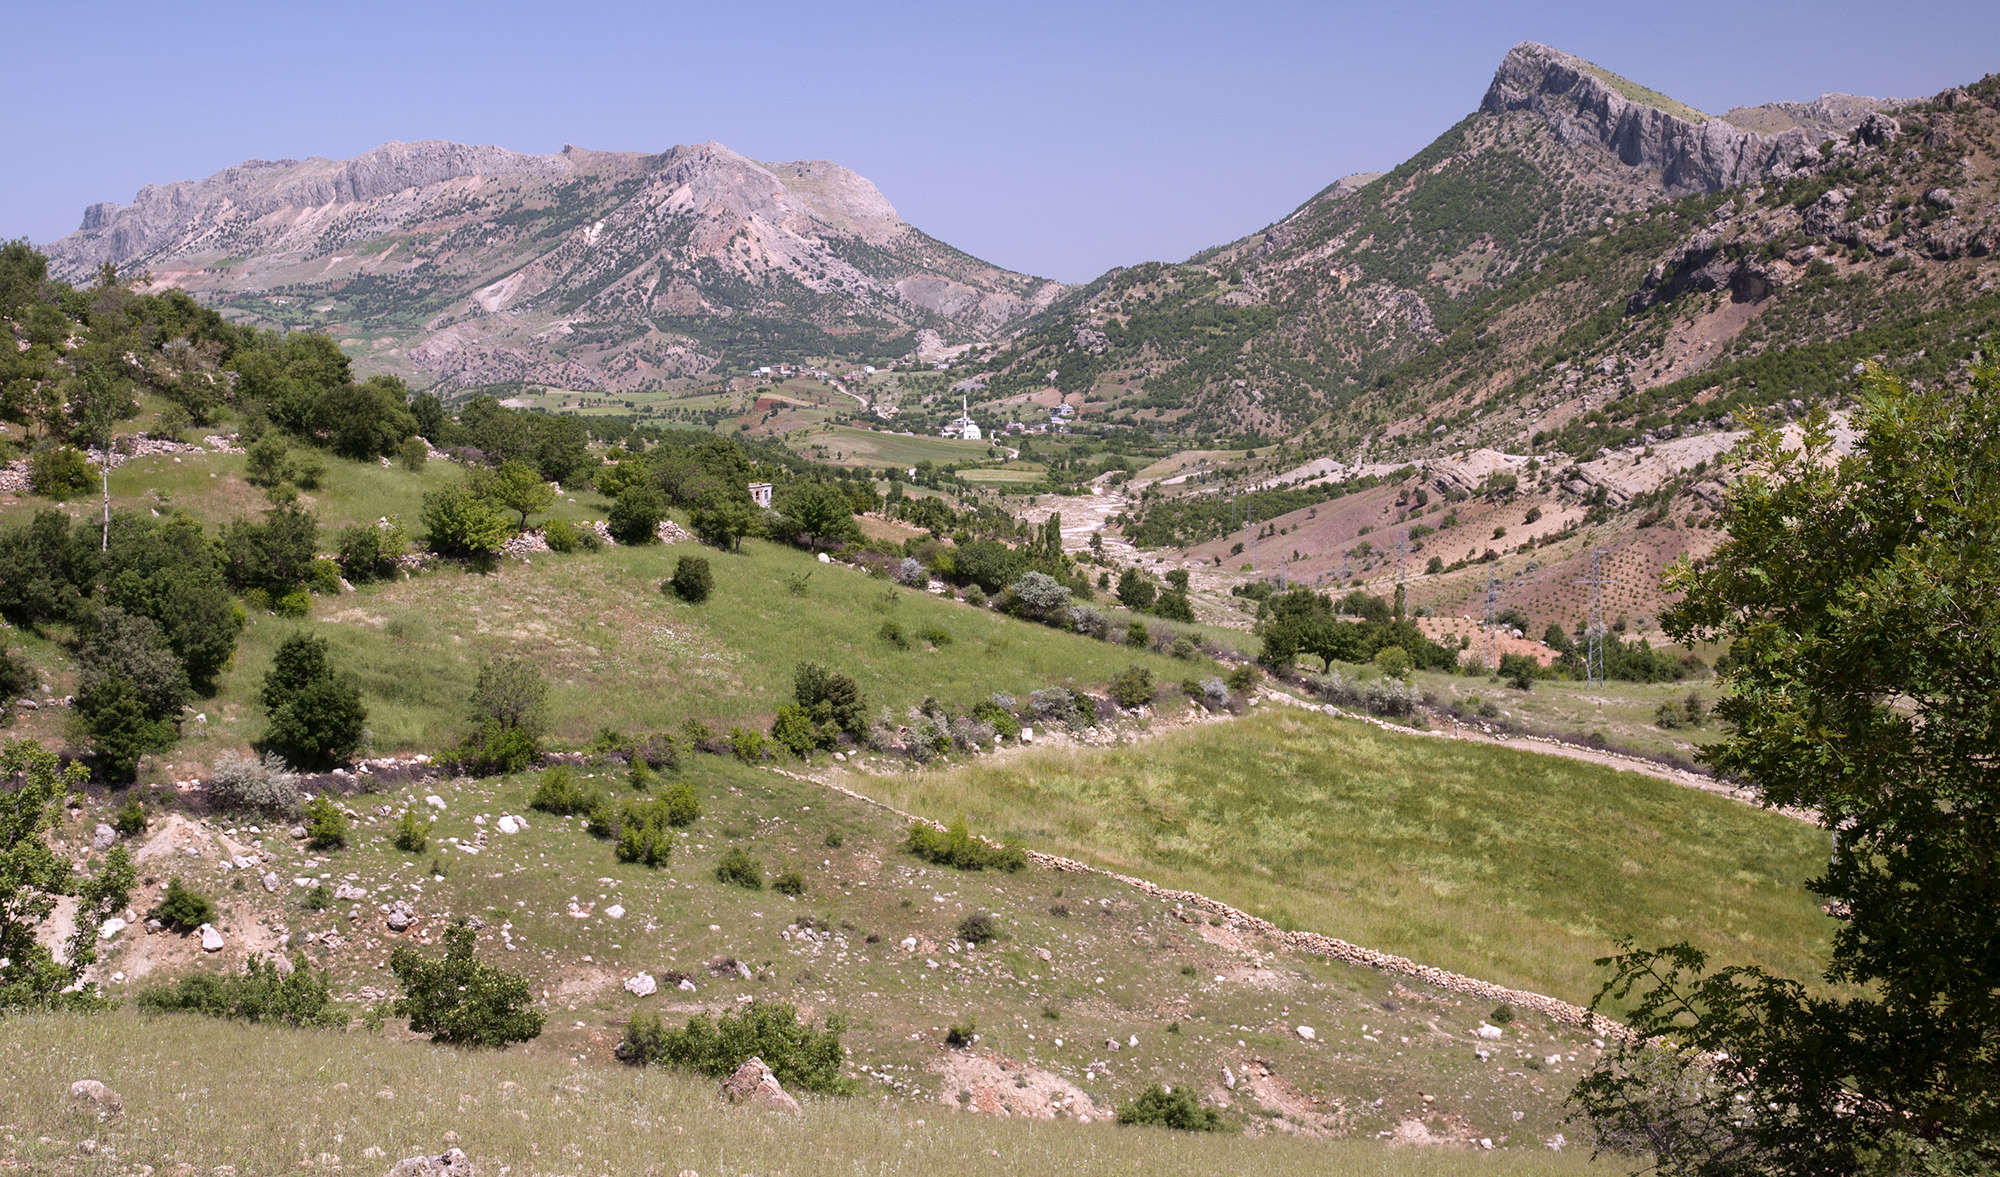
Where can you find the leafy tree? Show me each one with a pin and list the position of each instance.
(316, 716)
(1039, 596)
(33, 877)
(818, 513)
(1135, 592)
(413, 454)
(987, 563)
(370, 551)
(114, 721)
(1173, 605)
(458, 523)
(363, 421)
(512, 693)
(461, 1000)
(275, 555)
(264, 460)
(724, 522)
(168, 571)
(47, 570)
(692, 581)
(635, 514)
(59, 472)
(1859, 596)
(517, 487)
(122, 645)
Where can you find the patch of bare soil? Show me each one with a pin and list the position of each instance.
(986, 1082)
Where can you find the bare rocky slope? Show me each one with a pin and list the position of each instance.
(466, 265)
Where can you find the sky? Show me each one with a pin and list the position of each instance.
(1060, 139)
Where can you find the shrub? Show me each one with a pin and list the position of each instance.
(306, 471)
(961, 1036)
(636, 513)
(1000, 719)
(413, 454)
(1382, 696)
(316, 717)
(131, 819)
(246, 782)
(1158, 1107)
(318, 899)
(182, 909)
(264, 461)
(975, 596)
(1214, 692)
(461, 1000)
(413, 834)
(564, 794)
(459, 523)
(692, 581)
(59, 472)
(111, 713)
(1519, 670)
(1242, 678)
(560, 535)
(131, 646)
(738, 868)
(955, 847)
(1174, 606)
(1132, 687)
(802, 1058)
(369, 551)
(17, 678)
(748, 746)
(1393, 661)
(979, 927)
(790, 882)
(643, 835)
(833, 701)
(1138, 636)
(263, 992)
(911, 572)
(296, 603)
(1039, 596)
(1054, 705)
(893, 634)
(326, 825)
(1184, 648)
(512, 693)
(1086, 620)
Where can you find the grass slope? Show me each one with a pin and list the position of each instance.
(1509, 866)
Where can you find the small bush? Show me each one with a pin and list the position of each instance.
(1054, 705)
(306, 471)
(801, 1057)
(182, 909)
(954, 846)
(1138, 636)
(262, 993)
(749, 746)
(318, 899)
(1669, 716)
(1243, 677)
(961, 1037)
(413, 834)
(326, 825)
(893, 634)
(936, 635)
(1133, 687)
(59, 472)
(683, 808)
(636, 513)
(131, 820)
(790, 882)
(1158, 1107)
(414, 453)
(997, 717)
(461, 1000)
(262, 785)
(739, 869)
(643, 833)
(1393, 661)
(560, 535)
(1502, 1014)
(979, 927)
(692, 580)
(316, 715)
(562, 793)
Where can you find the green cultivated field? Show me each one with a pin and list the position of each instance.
(1508, 866)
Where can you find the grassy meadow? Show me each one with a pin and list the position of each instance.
(1510, 866)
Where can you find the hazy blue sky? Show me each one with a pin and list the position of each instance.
(1057, 138)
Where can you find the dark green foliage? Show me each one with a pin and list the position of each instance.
(181, 908)
(683, 808)
(892, 633)
(1242, 678)
(1137, 635)
(801, 1057)
(635, 514)
(979, 927)
(275, 555)
(954, 846)
(316, 716)
(130, 821)
(121, 645)
(987, 563)
(832, 700)
(461, 1000)
(1003, 721)
(724, 522)
(413, 833)
(17, 678)
(1159, 1108)
(119, 726)
(169, 572)
(60, 472)
(816, 515)
(1132, 687)
(560, 535)
(459, 523)
(1302, 621)
(33, 877)
(319, 898)
(326, 825)
(47, 570)
(1135, 592)
(737, 868)
(1520, 671)
(692, 581)
(563, 793)
(494, 750)
(1173, 605)
(263, 992)
(789, 882)
(644, 832)
(961, 1035)
(369, 551)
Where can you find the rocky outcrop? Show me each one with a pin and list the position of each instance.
(1691, 152)
(755, 1085)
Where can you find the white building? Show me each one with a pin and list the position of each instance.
(965, 428)
(760, 494)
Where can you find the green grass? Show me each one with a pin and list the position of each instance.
(204, 1094)
(865, 447)
(1508, 866)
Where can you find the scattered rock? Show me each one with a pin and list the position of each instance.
(1308, 1033)
(615, 911)
(450, 1163)
(298, 833)
(399, 916)
(508, 824)
(642, 985)
(271, 881)
(434, 801)
(348, 893)
(687, 985)
(102, 837)
(92, 1096)
(1486, 1031)
(754, 1084)
(211, 940)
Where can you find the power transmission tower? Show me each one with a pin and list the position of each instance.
(1593, 651)
(1492, 605)
(1283, 563)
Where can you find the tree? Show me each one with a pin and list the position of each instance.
(635, 514)
(170, 572)
(513, 694)
(1135, 592)
(131, 647)
(276, 555)
(517, 487)
(692, 580)
(817, 512)
(458, 523)
(1859, 596)
(316, 716)
(115, 721)
(33, 877)
(363, 421)
(832, 699)
(461, 1000)
(724, 522)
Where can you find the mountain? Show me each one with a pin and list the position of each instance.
(1297, 324)
(461, 265)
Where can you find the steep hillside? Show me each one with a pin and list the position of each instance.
(1294, 324)
(462, 265)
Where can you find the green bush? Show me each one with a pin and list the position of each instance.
(1003, 721)
(791, 882)
(559, 535)
(263, 992)
(636, 513)
(692, 581)
(961, 1035)
(741, 870)
(563, 793)
(131, 819)
(644, 833)
(494, 750)
(1160, 1108)
(59, 472)
(264, 461)
(893, 634)
(1174, 606)
(1137, 636)
(17, 678)
(1393, 661)
(802, 1058)
(369, 551)
(458, 523)
(182, 909)
(683, 807)
(316, 717)
(413, 834)
(979, 927)
(1132, 687)
(954, 846)
(749, 746)
(413, 453)
(318, 899)
(121, 732)
(306, 471)
(294, 604)
(326, 825)
(461, 1000)
(1242, 678)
